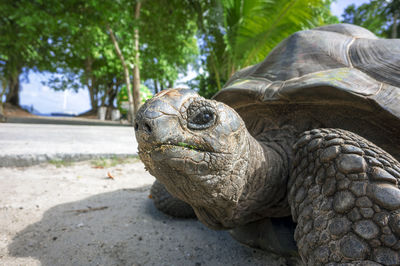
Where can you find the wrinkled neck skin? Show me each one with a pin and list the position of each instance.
(212, 162)
(264, 192)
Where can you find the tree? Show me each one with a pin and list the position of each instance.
(168, 43)
(133, 107)
(136, 66)
(70, 39)
(24, 30)
(238, 33)
(88, 34)
(379, 16)
(84, 53)
(254, 28)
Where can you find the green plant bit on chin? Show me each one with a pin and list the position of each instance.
(192, 147)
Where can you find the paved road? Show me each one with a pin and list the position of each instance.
(27, 144)
(63, 121)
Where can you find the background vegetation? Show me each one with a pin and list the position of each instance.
(108, 45)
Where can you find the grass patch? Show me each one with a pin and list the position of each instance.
(99, 162)
(113, 161)
(60, 163)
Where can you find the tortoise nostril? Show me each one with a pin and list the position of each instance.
(147, 128)
(143, 126)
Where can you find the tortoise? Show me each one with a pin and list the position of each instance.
(304, 145)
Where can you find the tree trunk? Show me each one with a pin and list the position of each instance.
(103, 99)
(155, 86)
(13, 89)
(2, 116)
(131, 113)
(95, 93)
(394, 27)
(136, 70)
(93, 99)
(90, 83)
(112, 95)
(216, 71)
(2, 92)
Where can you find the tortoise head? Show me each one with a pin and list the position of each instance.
(196, 147)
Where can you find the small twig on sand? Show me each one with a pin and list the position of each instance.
(90, 209)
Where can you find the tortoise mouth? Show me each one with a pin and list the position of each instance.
(164, 152)
(181, 145)
(178, 160)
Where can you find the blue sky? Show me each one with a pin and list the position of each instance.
(46, 100)
(338, 7)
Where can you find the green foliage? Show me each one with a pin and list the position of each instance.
(239, 33)
(190, 147)
(69, 39)
(213, 59)
(122, 98)
(379, 16)
(169, 43)
(367, 15)
(145, 93)
(205, 85)
(25, 27)
(322, 15)
(254, 28)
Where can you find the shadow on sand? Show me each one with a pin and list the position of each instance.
(124, 228)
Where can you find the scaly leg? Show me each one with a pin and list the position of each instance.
(168, 204)
(344, 195)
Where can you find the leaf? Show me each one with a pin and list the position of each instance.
(110, 176)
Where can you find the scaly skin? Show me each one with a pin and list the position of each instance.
(344, 195)
(341, 190)
(212, 169)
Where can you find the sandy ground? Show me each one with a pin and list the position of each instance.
(77, 215)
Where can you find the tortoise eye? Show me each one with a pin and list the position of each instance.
(201, 118)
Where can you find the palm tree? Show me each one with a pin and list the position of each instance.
(238, 33)
(254, 28)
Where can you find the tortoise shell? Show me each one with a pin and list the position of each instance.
(338, 75)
